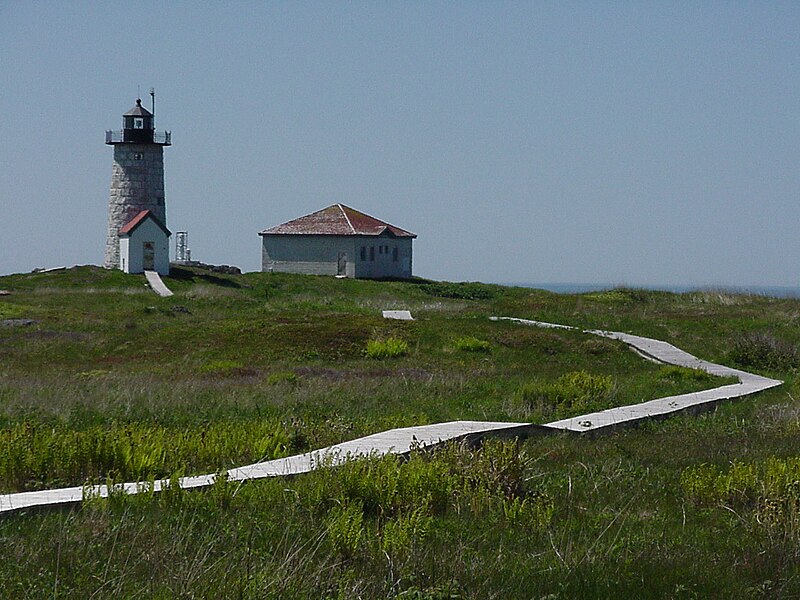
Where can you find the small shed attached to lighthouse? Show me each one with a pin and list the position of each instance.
(144, 245)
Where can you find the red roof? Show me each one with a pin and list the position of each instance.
(337, 219)
(128, 228)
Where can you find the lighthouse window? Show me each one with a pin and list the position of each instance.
(138, 123)
(138, 156)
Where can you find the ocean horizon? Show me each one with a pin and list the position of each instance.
(774, 291)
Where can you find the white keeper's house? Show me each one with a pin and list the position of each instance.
(338, 240)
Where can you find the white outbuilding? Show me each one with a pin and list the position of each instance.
(341, 241)
(144, 245)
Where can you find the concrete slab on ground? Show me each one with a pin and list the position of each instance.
(400, 315)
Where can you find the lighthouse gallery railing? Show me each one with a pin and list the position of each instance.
(159, 137)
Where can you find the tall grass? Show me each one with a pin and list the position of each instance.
(37, 457)
(112, 381)
(575, 392)
(763, 350)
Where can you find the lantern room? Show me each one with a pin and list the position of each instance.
(137, 124)
(138, 127)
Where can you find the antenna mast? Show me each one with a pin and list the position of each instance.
(153, 104)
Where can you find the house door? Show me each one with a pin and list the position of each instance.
(149, 256)
(341, 265)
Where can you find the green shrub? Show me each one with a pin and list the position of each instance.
(454, 477)
(222, 490)
(575, 391)
(345, 527)
(622, 295)
(8, 311)
(283, 377)
(221, 366)
(764, 351)
(463, 291)
(389, 348)
(533, 512)
(388, 486)
(699, 484)
(402, 533)
(226, 368)
(598, 347)
(36, 457)
(471, 344)
(770, 488)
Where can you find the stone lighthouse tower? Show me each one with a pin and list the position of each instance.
(137, 187)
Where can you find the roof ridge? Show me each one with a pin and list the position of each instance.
(131, 225)
(347, 218)
(337, 219)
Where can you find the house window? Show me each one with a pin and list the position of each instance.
(363, 253)
(372, 252)
(394, 254)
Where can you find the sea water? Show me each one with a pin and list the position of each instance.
(581, 288)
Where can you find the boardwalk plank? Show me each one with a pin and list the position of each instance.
(158, 286)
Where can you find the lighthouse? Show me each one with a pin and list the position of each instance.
(138, 238)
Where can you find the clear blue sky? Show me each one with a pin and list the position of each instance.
(596, 142)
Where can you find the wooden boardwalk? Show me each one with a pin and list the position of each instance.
(154, 279)
(394, 441)
(662, 352)
(401, 441)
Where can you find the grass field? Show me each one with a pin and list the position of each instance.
(112, 383)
